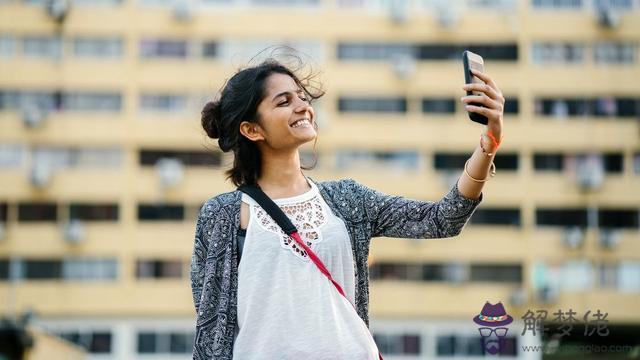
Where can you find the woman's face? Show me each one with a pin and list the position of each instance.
(281, 110)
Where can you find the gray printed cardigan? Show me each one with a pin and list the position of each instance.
(367, 213)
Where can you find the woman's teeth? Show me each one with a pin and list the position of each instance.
(301, 123)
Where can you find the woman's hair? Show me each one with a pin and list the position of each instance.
(238, 102)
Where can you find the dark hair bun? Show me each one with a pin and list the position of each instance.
(211, 119)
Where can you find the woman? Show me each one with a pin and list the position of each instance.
(272, 302)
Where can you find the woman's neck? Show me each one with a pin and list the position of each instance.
(282, 177)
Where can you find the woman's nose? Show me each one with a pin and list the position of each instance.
(303, 106)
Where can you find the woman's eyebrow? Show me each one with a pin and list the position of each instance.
(287, 93)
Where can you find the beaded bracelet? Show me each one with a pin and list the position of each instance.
(491, 174)
(493, 139)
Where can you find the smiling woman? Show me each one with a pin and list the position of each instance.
(256, 293)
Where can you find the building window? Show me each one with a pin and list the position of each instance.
(510, 217)
(454, 52)
(561, 217)
(449, 162)
(613, 163)
(506, 161)
(463, 345)
(618, 218)
(23, 100)
(42, 47)
(174, 342)
(373, 51)
(95, 342)
(42, 269)
(160, 212)
(365, 159)
(558, 4)
(188, 158)
(90, 269)
(146, 343)
(163, 102)
(548, 162)
(503, 273)
(608, 276)
(163, 48)
(94, 212)
(285, 2)
(511, 106)
(8, 48)
(12, 156)
(372, 104)
(614, 4)
(76, 101)
(615, 53)
(400, 344)
(29, 212)
(3, 212)
(438, 105)
(61, 158)
(158, 269)
(96, 47)
(604, 106)
(181, 343)
(557, 53)
(210, 49)
(4, 269)
(627, 107)
(629, 276)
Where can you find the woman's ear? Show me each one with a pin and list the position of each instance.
(251, 131)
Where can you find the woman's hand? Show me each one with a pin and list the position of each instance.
(493, 108)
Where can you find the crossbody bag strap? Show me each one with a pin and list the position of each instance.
(287, 226)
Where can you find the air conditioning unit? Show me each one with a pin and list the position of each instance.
(607, 18)
(40, 175)
(573, 237)
(183, 10)
(399, 11)
(58, 9)
(32, 116)
(74, 232)
(404, 65)
(170, 171)
(518, 297)
(608, 238)
(590, 172)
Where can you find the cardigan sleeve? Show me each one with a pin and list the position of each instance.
(400, 217)
(198, 257)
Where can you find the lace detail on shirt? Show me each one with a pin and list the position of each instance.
(307, 216)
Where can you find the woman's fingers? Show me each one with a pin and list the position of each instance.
(487, 80)
(488, 90)
(484, 100)
(488, 112)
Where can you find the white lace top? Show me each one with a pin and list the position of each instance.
(286, 307)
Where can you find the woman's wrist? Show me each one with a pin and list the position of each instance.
(489, 143)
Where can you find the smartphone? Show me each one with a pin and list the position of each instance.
(473, 61)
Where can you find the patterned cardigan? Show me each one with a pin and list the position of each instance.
(366, 213)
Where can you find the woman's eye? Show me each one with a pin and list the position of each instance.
(283, 103)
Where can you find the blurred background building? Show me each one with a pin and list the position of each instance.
(104, 165)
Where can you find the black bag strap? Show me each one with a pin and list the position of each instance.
(270, 207)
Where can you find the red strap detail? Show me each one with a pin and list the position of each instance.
(323, 269)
